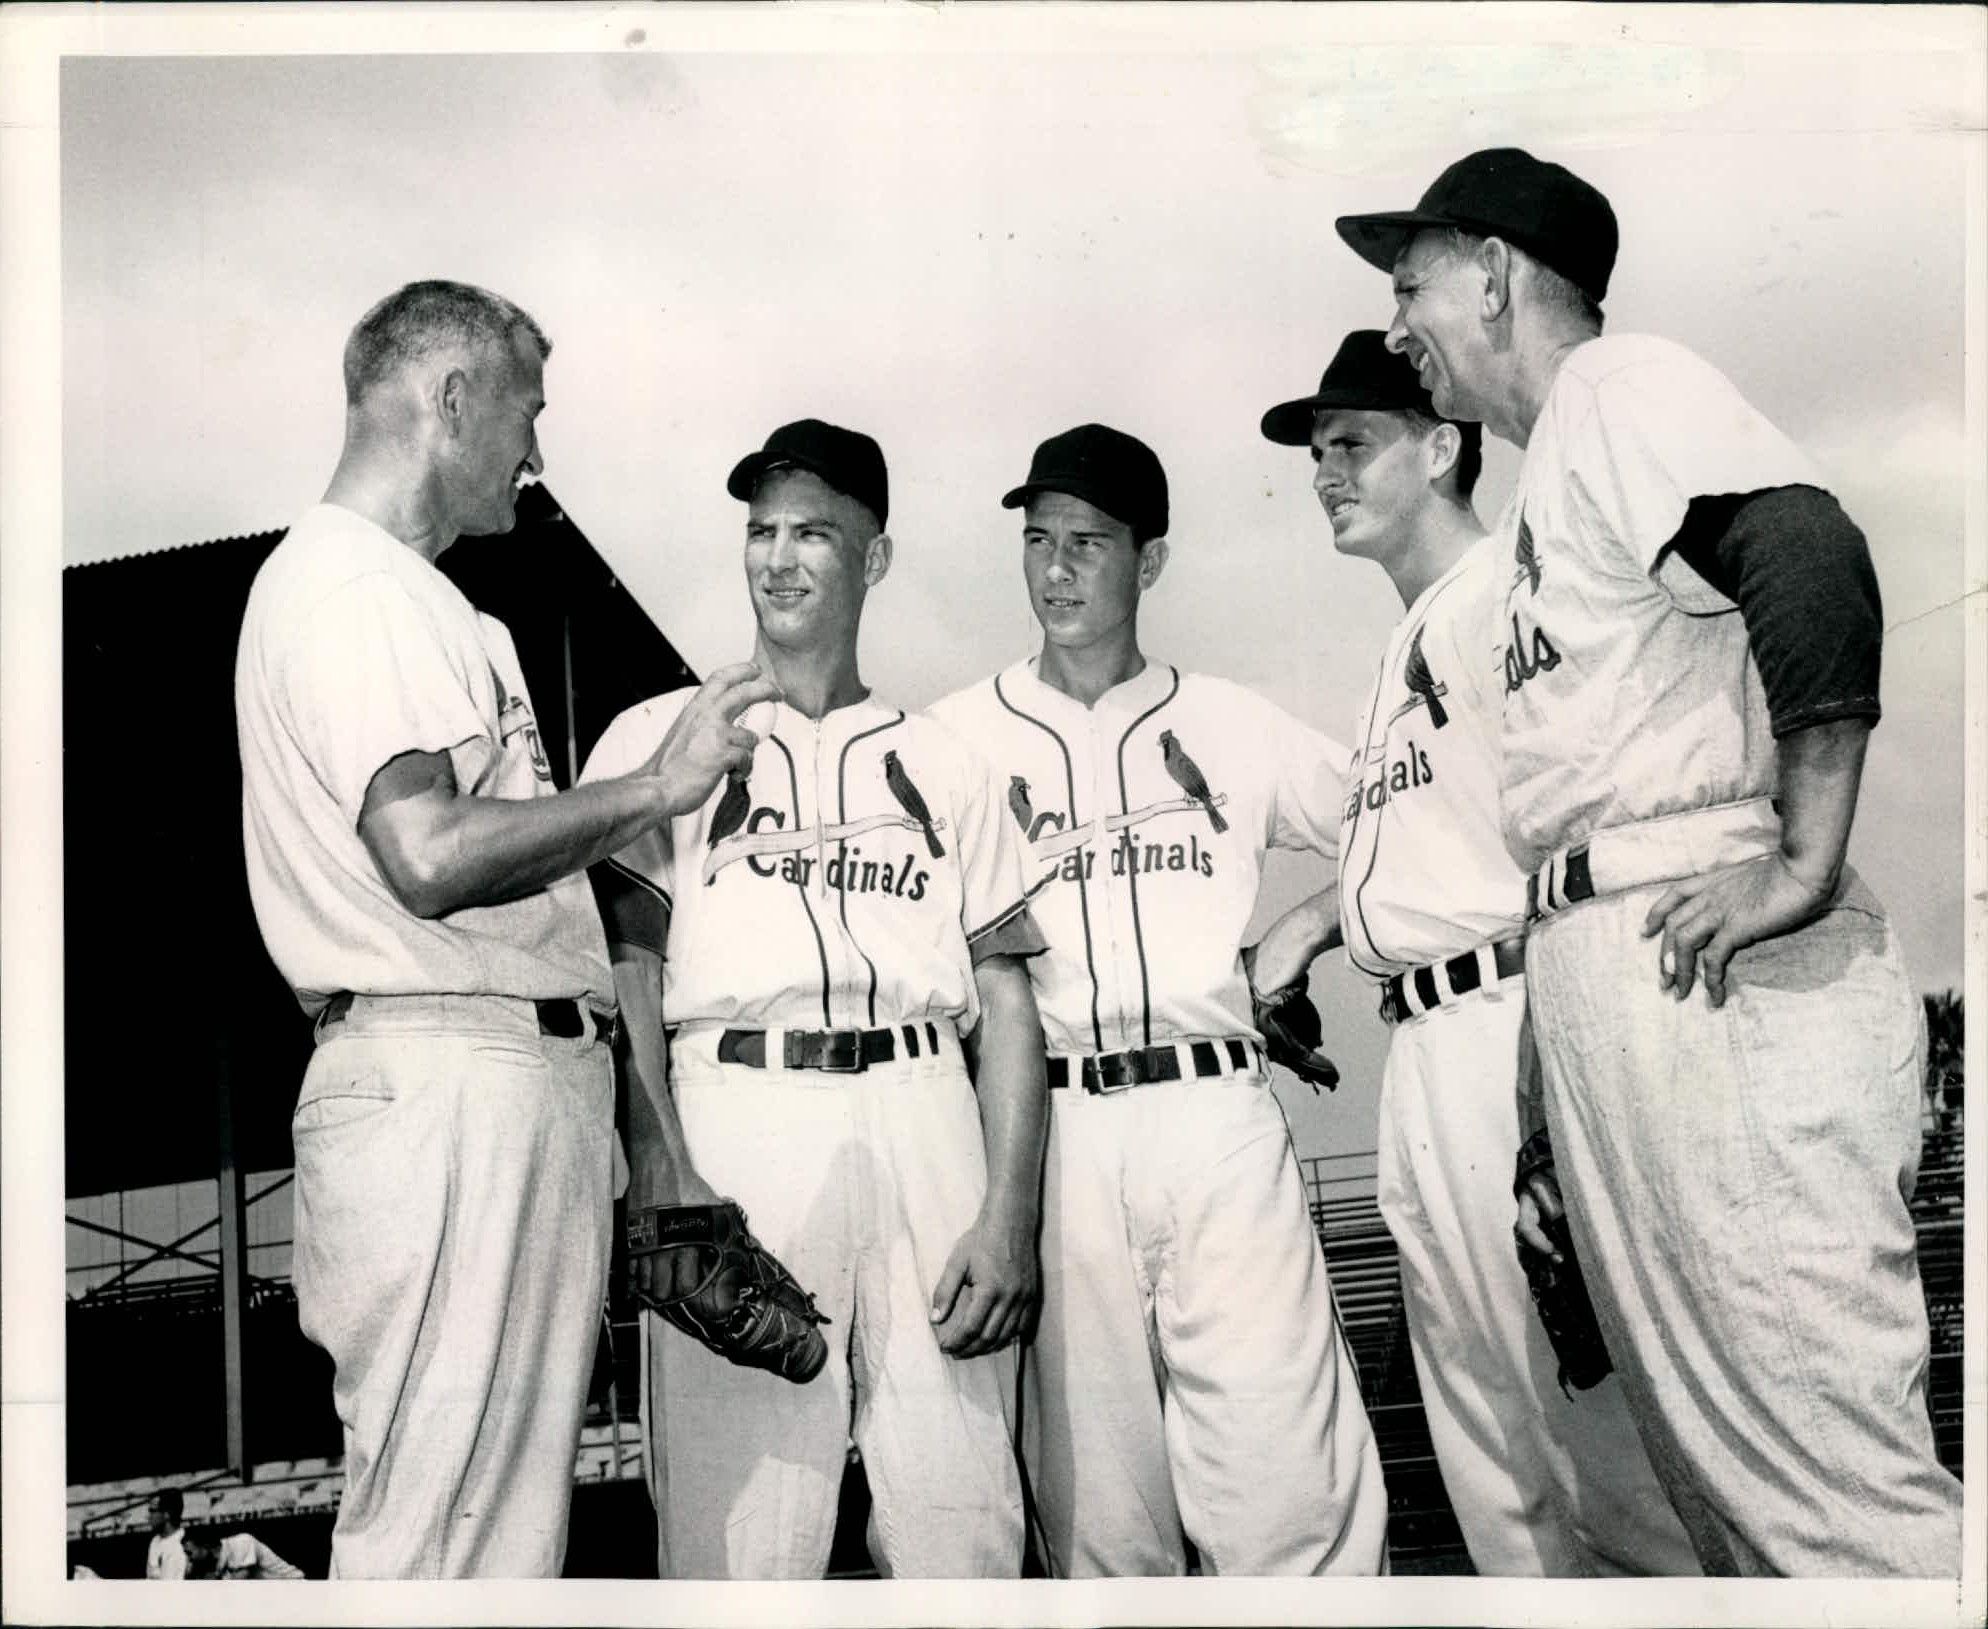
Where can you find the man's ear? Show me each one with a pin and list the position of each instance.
(1442, 447)
(452, 400)
(876, 559)
(1494, 259)
(1152, 561)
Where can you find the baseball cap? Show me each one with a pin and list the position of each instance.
(847, 460)
(1118, 473)
(1504, 192)
(1364, 375)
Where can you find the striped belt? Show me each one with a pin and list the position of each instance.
(1566, 879)
(1150, 1065)
(1685, 844)
(1408, 995)
(833, 1051)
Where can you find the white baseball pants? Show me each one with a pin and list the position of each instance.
(1543, 1484)
(861, 1184)
(1189, 1371)
(452, 1216)
(1737, 1182)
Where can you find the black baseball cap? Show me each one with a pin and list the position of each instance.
(847, 460)
(1504, 192)
(1365, 376)
(1118, 473)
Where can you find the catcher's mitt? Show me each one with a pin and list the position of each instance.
(746, 1306)
(1291, 1029)
(1559, 1292)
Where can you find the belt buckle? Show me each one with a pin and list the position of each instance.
(1135, 1073)
(842, 1052)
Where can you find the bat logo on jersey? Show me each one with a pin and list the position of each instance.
(766, 836)
(1422, 685)
(514, 715)
(1527, 555)
(1188, 777)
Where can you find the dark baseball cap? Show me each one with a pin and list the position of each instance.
(1504, 192)
(1365, 376)
(847, 460)
(1118, 473)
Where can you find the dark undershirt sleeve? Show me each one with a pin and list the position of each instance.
(632, 911)
(1800, 572)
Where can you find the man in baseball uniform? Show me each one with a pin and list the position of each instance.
(1433, 910)
(165, 1551)
(829, 1016)
(1690, 671)
(417, 881)
(1191, 1374)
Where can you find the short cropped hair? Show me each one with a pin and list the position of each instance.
(1555, 290)
(416, 321)
(172, 1502)
(1470, 454)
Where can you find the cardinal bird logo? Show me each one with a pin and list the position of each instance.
(1527, 556)
(730, 814)
(1188, 777)
(1422, 683)
(910, 802)
(1018, 802)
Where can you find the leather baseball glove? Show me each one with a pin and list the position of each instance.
(1291, 1028)
(746, 1307)
(1559, 1291)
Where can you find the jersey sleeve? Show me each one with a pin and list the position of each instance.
(635, 886)
(367, 676)
(1658, 434)
(1308, 784)
(993, 885)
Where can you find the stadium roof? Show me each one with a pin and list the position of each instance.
(168, 988)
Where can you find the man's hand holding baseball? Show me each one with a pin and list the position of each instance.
(706, 740)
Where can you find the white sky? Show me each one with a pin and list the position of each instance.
(964, 229)
(965, 251)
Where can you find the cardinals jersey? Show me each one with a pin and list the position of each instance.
(841, 886)
(1630, 689)
(1423, 872)
(1147, 817)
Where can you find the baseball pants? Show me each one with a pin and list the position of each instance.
(861, 1184)
(1543, 1484)
(452, 1217)
(1737, 1183)
(1189, 1371)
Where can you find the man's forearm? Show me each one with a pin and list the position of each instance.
(1818, 771)
(1012, 1089)
(1291, 944)
(658, 1155)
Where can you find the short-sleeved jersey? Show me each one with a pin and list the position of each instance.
(355, 650)
(1423, 872)
(243, 1555)
(845, 890)
(165, 1555)
(1148, 816)
(1630, 689)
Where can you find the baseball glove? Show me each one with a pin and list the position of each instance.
(1291, 1029)
(1559, 1292)
(746, 1307)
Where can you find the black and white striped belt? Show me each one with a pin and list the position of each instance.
(833, 1051)
(1408, 995)
(1150, 1065)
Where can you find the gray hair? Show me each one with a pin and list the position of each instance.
(1555, 291)
(415, 322)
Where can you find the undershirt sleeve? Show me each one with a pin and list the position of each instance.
(1800, 572)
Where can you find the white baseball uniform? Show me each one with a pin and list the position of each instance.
(1543, 1483)
(454, 1160)
(872, 868)
(1737, 1180)
(165, 1557)
(244, 1556)
(1189, 1367)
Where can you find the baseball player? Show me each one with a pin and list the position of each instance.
(837, 923)
(416, 880)
(1691, 636)
(238, 1557)
(165, 1552)
(1191, 1374)
(1433, 911)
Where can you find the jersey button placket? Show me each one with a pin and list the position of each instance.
(1113, 953)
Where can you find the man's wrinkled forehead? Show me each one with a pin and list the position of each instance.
(1421, 256)
(796, 494)
(1375, 423)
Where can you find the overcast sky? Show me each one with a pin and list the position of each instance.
(963, 251)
